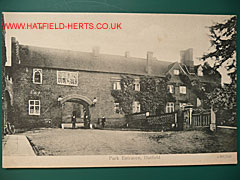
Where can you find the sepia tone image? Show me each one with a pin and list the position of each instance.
(97, 90)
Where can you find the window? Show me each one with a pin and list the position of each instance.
(183, 90)
(170, 107)
(171, 89)
(37, 76)
(116, 85)
(136, 107)
(67, 78)
(176, 72)
(34, 107)
(182, 105)
(136, 85)
(199, 102)
(117, 108)
(200, 71)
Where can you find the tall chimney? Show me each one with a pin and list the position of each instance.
(186, 58)
(127, 54)
(96, 51)
(15, 59)
(149, 62)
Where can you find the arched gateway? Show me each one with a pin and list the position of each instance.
(77, 106)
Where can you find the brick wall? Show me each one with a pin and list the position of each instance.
(90, 85)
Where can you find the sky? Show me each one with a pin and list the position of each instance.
(163, 34)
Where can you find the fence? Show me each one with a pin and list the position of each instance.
(201, 119)
(161, 122)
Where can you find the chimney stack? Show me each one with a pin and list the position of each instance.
(186, 58)
(127, 54)
(15, 57)
(96, 51)
(149, 62)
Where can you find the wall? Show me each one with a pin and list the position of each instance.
(175, 80)
(90, 85)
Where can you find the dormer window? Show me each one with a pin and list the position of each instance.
(137, 85)
(176, 71)
(37, 76)
(200, 71)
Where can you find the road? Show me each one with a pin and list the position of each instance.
(109, 142)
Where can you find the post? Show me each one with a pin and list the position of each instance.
(190, 116)
(213, 126)
(176, 120)
(61, 121)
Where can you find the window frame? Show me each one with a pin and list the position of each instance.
(34, 105)
(136, 84)
(200, 72)
(181, 90)
(176, 72)
(35, 70)
(117, 108)
(116, 85)
(67, 74)
(172, 88)
(170, 107)
(136, 107)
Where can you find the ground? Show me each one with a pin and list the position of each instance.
(108, 142)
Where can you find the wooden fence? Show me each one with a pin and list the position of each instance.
(201, 119)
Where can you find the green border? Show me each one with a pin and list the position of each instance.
(127, 6)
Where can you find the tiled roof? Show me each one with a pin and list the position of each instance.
(76, 60)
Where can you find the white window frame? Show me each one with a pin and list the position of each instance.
(137, 85)
(117, 108)
(200, 71)
(183, 89)
(69, 77)
(34, 104)
(34, 73)
(136, 107)
(170, 107)
(171, 88)
(176, 71)
(116, 85)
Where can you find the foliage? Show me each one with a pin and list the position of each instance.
(223, 40)
(152, 97)
(203, 88)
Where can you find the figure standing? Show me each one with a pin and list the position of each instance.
(74, 120)
(103, 121)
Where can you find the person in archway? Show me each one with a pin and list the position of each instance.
(85, 117)
(74, 120)
(103, 121)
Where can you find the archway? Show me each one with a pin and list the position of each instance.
(77, 106)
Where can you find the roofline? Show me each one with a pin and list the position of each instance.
(95, 71)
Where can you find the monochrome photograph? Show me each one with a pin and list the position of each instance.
(115, 89)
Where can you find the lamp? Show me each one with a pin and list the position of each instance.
(94, 101)
(59, 100)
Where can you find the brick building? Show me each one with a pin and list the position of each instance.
(50, 84)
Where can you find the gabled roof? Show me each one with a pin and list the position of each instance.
(86, 61)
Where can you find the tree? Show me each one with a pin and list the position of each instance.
(223, 42)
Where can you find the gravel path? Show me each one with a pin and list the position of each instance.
(108, 142)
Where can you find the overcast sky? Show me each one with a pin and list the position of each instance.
(164, 35)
